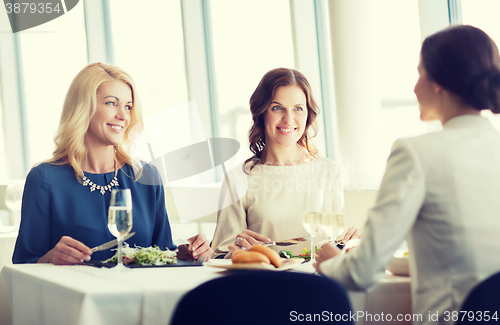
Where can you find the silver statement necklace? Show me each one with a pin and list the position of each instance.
(102, 189)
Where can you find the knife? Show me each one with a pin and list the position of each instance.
(288, 242)
(299, 240)
(110, 244)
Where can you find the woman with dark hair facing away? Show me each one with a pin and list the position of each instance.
(66, 198)
(263, 199)
(439, 189)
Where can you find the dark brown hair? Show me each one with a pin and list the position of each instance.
(465, 61)
(261, 100)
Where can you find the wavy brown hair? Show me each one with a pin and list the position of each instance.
(78, 109)
(261, 100)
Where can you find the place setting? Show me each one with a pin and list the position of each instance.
(259, 257)
(321, 210)
(120, 222)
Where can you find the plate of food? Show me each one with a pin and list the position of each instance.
(141, 257)
(258, 257)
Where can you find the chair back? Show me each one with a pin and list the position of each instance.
(484, 297)
(265, 297)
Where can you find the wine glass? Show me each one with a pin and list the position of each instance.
(120, 219)
(310, 219)
(332, 218)
(13, 200)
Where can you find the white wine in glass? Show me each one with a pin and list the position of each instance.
(120, 219)
(332, 218)
(310, 219)
(340, 224)
(333, 225)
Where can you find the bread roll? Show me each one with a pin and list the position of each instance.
(233, 255)
(237, 252)
(271, 254)
(249, 257)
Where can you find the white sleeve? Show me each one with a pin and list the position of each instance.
(232, 214)
(399, 200)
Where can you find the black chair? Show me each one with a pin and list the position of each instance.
(264, 297)
(484, 297)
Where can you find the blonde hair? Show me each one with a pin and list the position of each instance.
(79, 108)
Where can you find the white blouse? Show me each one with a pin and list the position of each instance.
(270, 201)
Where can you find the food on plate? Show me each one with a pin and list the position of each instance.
(145, 256)
(257, 254)
(306, 254)
(271, 254)
(249, 257)
(286, 254)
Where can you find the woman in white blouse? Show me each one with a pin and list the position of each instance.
(441, 189)
(264, 197)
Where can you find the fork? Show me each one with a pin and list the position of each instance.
(201, 260)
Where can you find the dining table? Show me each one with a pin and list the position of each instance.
(82, 294)
(8, 235)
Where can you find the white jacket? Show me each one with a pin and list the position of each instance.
(443, 191)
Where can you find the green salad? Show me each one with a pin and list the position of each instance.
(306, 254)
(144, 256)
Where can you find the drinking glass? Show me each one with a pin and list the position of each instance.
(310, 219)
(120, 220)
(332, 218)
(13, 200)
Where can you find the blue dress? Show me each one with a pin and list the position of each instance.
(55, 204)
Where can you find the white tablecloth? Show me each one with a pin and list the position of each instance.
(49, 294)
(7, 241)
(8, 237)
(389, 296)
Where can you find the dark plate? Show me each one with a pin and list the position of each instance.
(135, 266)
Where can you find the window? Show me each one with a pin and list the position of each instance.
(148, 44)
(51, 55)
(484, 14)
(249, 39)
(375, 58)
(3, 161)
(397, 56)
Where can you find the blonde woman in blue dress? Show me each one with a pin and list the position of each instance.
(66, 198)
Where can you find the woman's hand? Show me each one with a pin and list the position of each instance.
(352, 233)
(198, 247)
(68, 251)
(326, 252)
(247, 239)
